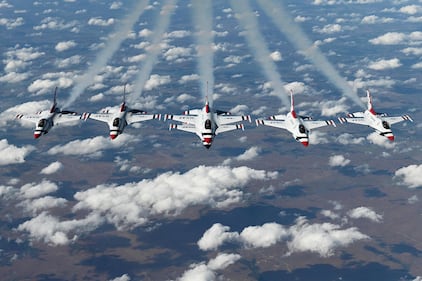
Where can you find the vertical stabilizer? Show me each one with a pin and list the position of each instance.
(53, 108)
(370, 107)
(123, 106)
(292, 105)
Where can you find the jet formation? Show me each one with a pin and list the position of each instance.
(207, 122)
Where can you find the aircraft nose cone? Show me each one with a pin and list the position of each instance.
(113, 137)
(305, 143)
(391, 138)
(36, 135)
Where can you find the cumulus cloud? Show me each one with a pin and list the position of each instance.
(101, 22)
(187, 78)
(395, 38)
(91, 147)
(208, 271)
(364, 212)
(303, 236)
(248, 155)
(170, 193)
(385, 64)
(124, 277)
(65, 45)
(156, 80)
(11, 154)
(12, 23)
(382, 141)
(321, 238)
(338, 161)
(133, 204)
(52, 168)
(410, 176)
(215, 236)
(411, 9)
(276, 56)
(347, 139)
(178, 54)
(329, 29)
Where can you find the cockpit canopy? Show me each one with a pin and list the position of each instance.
(116, 122)
(41, 123)
(385, 125)
(208, 124)
(302, 129)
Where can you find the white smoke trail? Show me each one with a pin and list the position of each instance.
(257, 43)
(154, 49)
(112, 45)
(296, 36)
(202, 18)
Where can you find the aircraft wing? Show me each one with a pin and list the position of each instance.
(397, 119)
(103, 117)
(227, 119)
(189, 119)
(277, 117)
(272, 123)
(355, 120)
(183, 127)
(226, 128)
(34, 118)
(139, 117)
(66, 117)
(310, 124)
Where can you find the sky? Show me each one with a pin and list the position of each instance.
(257, 205)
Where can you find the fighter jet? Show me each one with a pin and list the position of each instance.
(118, 118)
(46, 119)
(379, 121)
(206, 123)
(298, 126)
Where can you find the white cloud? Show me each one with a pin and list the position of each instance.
(390, 38)
(208, 272)
(411, 9)
(413, 199)
(33, 190)
(215, 236)
(373, 19)
(124, 277)
(364, 212)
(329, 29)
(133, 203)
(101, 22)
(338, 160)
(12, 23)
(156, 80)
(263, 236)
(178, 34)
(187, 78)
(49, 229)
(65, 45)
(276, 56)
(177, 54)
(248, 155)
(410, 175)
(417, 65)
(385, 64)
(52, 168)
(28, 107)
(377, 139)
(11, 154)
(321, 238)
(44, 203)
(91, 147)
(347, 139)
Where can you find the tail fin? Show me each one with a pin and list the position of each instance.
(123, 106)
(292, 105)
(370, 107)
(207, 105)
(53, 108)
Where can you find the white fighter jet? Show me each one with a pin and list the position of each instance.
(46, 119)
(118, 118)
(206, 123)
(379, 121)
(298, 126)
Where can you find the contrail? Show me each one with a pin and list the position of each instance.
(202, 18)
(257, 43)
(113, 44)
(154, 49)
(297, 37)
